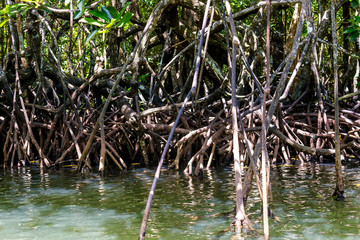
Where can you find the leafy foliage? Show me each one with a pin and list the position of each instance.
(355, 3)
(104, 19)
(11, 10)
(353, 30)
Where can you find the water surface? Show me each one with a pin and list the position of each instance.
(67, 205)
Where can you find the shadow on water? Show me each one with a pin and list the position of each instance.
(66, 205)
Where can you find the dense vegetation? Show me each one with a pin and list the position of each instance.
(101, 84)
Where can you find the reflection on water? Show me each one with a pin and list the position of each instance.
(66, 205)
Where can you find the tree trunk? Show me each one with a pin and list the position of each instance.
(339, 189)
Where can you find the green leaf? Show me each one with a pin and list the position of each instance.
(124, 20)
(93, 22)
(3, 22)
(91, 36)
(355, 3)
(5, 10)
(18, 8)
(20, 11)
(106, 11)
(353, 22)
(357, 18)
(112, 22)
(113, 12)
(353, 37)
(81, 6)
(99, 14)
(124, 8)
(127, 17)
(350, 30)
(104, 31)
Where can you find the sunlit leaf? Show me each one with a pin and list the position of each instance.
(105, 30)
(19, 5)
(110, 24)
(3, 22)
(18, 8)
(5, 10)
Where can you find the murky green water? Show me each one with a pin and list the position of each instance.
(65, 205)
